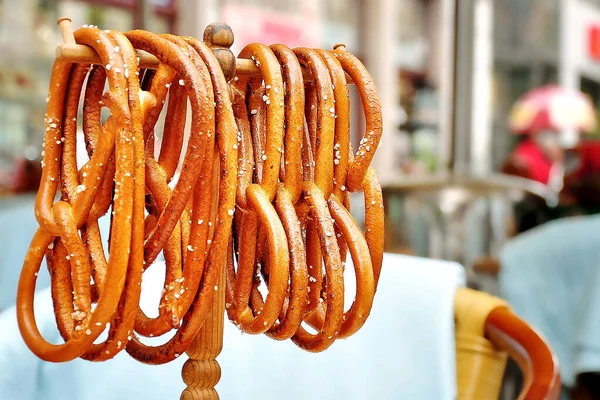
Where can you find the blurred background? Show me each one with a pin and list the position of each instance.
(490, 145)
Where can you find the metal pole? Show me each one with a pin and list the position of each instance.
(463, 80)
(480, 150)
(377, 37)
(141, 14)
(447, 84)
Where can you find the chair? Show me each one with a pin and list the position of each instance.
(487, 331)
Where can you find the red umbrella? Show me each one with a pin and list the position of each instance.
(552, 108)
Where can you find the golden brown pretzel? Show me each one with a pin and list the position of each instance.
(346, 229)
(185, 248)
(63, 219)
(167, 209)
(361, 176)
(287, 195)
(349, 235)
(359, 164)
(226, 139)
(258, 197)
(320, 126)
(321, 231)
(122, 325)
(292, 227)
(370, 184)
(314, 206)
(202, 131)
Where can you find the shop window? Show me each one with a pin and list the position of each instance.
(342, 11)
(28, 39)
(527, 24)
(550, 74)
(287, 6)
(592, 88)
(520, 81)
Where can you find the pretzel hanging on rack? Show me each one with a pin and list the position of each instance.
(84, 198)
(361, 176)
(121, 324)
(287, 196)
(258, 209)
(346, 229)
(287, 193)
(316, 229)
(183, 267)
(191, 274)
(205, 226)
(273, 151)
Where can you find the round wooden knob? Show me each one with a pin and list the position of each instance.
(219, 37)
(218, 34)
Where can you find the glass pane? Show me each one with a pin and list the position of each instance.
(520, 82)
(28, 39)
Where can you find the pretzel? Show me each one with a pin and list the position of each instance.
(59, 223)
(167, 227)
(374, 214)
(270, 155)
(313, 212)
(258, 197)
(179, 288)
(359, 163)
(227, 157)
(346, 228)
(121, 326)
(325, 157)
(361, 176)
(287, 195)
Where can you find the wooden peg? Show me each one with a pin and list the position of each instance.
(219, 37)
(76, 53)
(66, 30)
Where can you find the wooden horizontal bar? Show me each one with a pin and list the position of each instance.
(81, 54)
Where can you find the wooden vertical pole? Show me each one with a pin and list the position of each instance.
(202, 372)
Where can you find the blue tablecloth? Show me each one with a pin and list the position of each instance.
(405, 351)
(17, 226)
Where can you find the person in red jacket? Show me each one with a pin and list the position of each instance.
(583, 183)
(538, 157)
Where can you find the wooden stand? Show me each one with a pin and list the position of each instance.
(201, 372)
